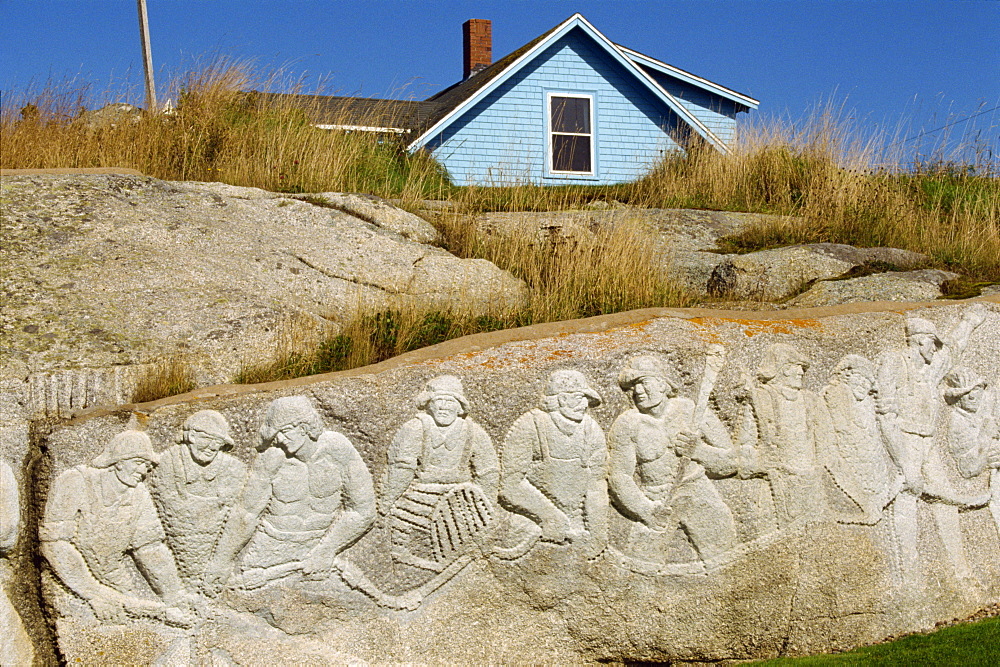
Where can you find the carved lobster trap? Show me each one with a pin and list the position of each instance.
(433, 524)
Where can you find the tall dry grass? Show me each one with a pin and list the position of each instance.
(217, 132)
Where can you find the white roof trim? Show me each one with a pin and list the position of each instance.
(642, 58)
(363, 128)
(572, 22)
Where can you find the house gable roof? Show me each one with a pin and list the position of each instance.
(688, 77)
(454, 101)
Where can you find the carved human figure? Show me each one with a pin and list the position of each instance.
(668, 444)
(442, 479)
(194, 486)
(788, 425)
(908, 407)
(974, 430)
(15, 645)
(858, 459)
(554, 460)
(100, 516)
(309, 496)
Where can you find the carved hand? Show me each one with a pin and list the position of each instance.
(993, 457)
(109, 607)
(976, 314)
(885, 405)
(215, 580)
(317, 565)
(914, 485)
(556, 529)
(181, 618)
(685, 442)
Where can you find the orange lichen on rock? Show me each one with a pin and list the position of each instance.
(753, 327)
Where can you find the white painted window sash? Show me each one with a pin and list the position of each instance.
(549, 133)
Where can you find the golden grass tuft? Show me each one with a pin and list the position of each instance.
(166, 377)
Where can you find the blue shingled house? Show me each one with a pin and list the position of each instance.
(570, 106)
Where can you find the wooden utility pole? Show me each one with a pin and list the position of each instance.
(147, 56)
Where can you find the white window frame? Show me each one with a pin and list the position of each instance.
(549, 133)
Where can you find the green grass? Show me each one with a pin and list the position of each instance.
(966, 645)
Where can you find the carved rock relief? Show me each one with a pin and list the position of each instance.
(907, 441)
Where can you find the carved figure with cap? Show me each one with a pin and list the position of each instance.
(98, 520)
(195, 486)
(554, 464)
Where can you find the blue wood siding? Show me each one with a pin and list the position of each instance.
(502, 139)
(717, 113)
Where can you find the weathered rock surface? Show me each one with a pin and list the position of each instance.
(381, 213)
(109, 271)
(769, 505)
(923, 285)
(773, 275)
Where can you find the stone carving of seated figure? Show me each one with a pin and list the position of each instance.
(442, 479)
(309, 496)
(554, 460)
(97, 517)
(194, 487)
(668, 446)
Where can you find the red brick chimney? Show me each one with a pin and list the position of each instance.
(477, 46)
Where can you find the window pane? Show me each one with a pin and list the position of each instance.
(571, 114)
(570, 153)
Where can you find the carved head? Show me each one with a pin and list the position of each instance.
(922, 335)
(444, 399)
(569, 393)
(964, 389)
(206, 433)
(857, 373)
(645, 379)
(288, 422)
(783, 365)
(131, 455)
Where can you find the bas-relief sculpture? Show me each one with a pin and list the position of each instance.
(15, 645)
(913, 430)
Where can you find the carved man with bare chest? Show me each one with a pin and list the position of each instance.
(660, 451)
(309, 497)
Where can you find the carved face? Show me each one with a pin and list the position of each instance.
(444, 410)
(791, 376)
(860, 385)
(926, 344)
(648, 392)
(204, 447)
(973, 399)
(291, 437)
(132, 471)
(573, 405)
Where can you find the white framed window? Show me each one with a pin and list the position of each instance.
(571, 133)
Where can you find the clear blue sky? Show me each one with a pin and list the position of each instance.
(912, 62)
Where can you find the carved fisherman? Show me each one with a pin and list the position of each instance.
(908, 405)
(15, 645)
(669, 447)
(194, 486)
(309, 496)
(554, 464)
(442, 478)
(858, 461)
(789, 424)
(99, 517)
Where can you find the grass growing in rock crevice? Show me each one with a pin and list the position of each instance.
(166, 377)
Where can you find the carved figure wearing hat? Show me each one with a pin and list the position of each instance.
(194, 486)
(662, 451)
(787, 425)
(100, 520)
(554, 460)
(974, 437)
(858, 459)
(308, 497)
(442, 479)
(908, 405)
